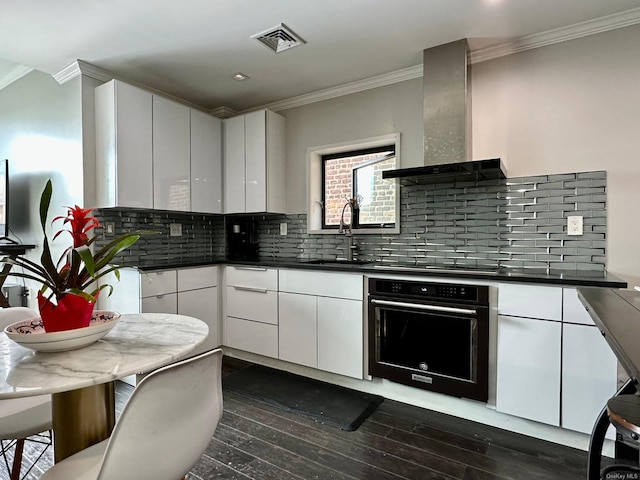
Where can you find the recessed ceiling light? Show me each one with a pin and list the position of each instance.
(240, 76)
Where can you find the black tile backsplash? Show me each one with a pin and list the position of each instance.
(515, 222)
(202, 236)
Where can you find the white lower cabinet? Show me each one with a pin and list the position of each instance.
(185, 291)
(255, 337)
(321, 321)
(588, 376)
(528, 377)
(203, 304)
(340, 336)
(551, 368)
(251, 304)
(298, 341)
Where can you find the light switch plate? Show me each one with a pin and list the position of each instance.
(283, 229)
(574, 225)
(109, 228)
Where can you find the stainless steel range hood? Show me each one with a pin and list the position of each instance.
(447, 122)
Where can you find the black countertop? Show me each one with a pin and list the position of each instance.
(617, 315)
(580, 278)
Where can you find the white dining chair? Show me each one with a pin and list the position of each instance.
(163, 430)
(22, 419)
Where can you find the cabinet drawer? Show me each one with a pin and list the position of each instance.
(530, 301)
(158, 283)
(258, 304)
(573, 310)
(255, 337)
(194, 278)
(323, 284)
(254, 277)
(167, 303)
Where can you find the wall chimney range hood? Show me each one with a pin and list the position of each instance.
(447, 123)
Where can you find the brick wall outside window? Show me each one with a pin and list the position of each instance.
(338, 190)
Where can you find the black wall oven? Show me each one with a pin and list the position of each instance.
(433, 336)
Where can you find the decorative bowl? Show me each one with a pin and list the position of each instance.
(31, 334)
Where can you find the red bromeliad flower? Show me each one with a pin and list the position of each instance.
(80, 265)
(81, 223)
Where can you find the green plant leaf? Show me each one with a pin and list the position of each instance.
(45, 200)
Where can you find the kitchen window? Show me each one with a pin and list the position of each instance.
(358, 174)
(354, 170)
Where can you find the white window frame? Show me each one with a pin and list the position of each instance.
(314, 181)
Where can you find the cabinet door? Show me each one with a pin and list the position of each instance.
(276, 168)
(297, 329)
(256, 162)
(573, 311)
(202, 304)
(340, 336)
(171, 152)
(528, 377)
(234, 165)
(206, 163)
(123, 118)
(126, 292)
(589, 371)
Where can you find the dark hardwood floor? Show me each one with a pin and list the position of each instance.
(398, 441)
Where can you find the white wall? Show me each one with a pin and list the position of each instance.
(41, 135)
(380, 111)
(569, 107)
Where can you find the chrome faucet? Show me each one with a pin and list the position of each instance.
(347, 228)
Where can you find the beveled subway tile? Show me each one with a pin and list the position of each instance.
(472, 219)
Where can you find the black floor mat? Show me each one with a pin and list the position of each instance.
(329, 404)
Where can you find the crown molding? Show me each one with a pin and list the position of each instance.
(558, 35)
(348, 88)
(223, 112)
(79, 67)
(520, 44)
(13, 75)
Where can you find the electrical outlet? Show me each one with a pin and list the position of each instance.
(109, 228)
(283, 229)
(574, 225)
(175, 229)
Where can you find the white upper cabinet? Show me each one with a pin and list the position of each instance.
(206, 163)
(152, 152)
(171, 155)
(254, 163)
(124, 154)
(234, 167)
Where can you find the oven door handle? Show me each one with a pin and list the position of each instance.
(420, 306)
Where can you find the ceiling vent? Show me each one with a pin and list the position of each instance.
(279, 38)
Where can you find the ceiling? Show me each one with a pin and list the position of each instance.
(191, 48)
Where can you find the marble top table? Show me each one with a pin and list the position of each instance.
(82, 380)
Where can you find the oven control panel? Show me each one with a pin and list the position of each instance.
(443, 291)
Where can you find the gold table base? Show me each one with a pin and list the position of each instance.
(82, 418)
